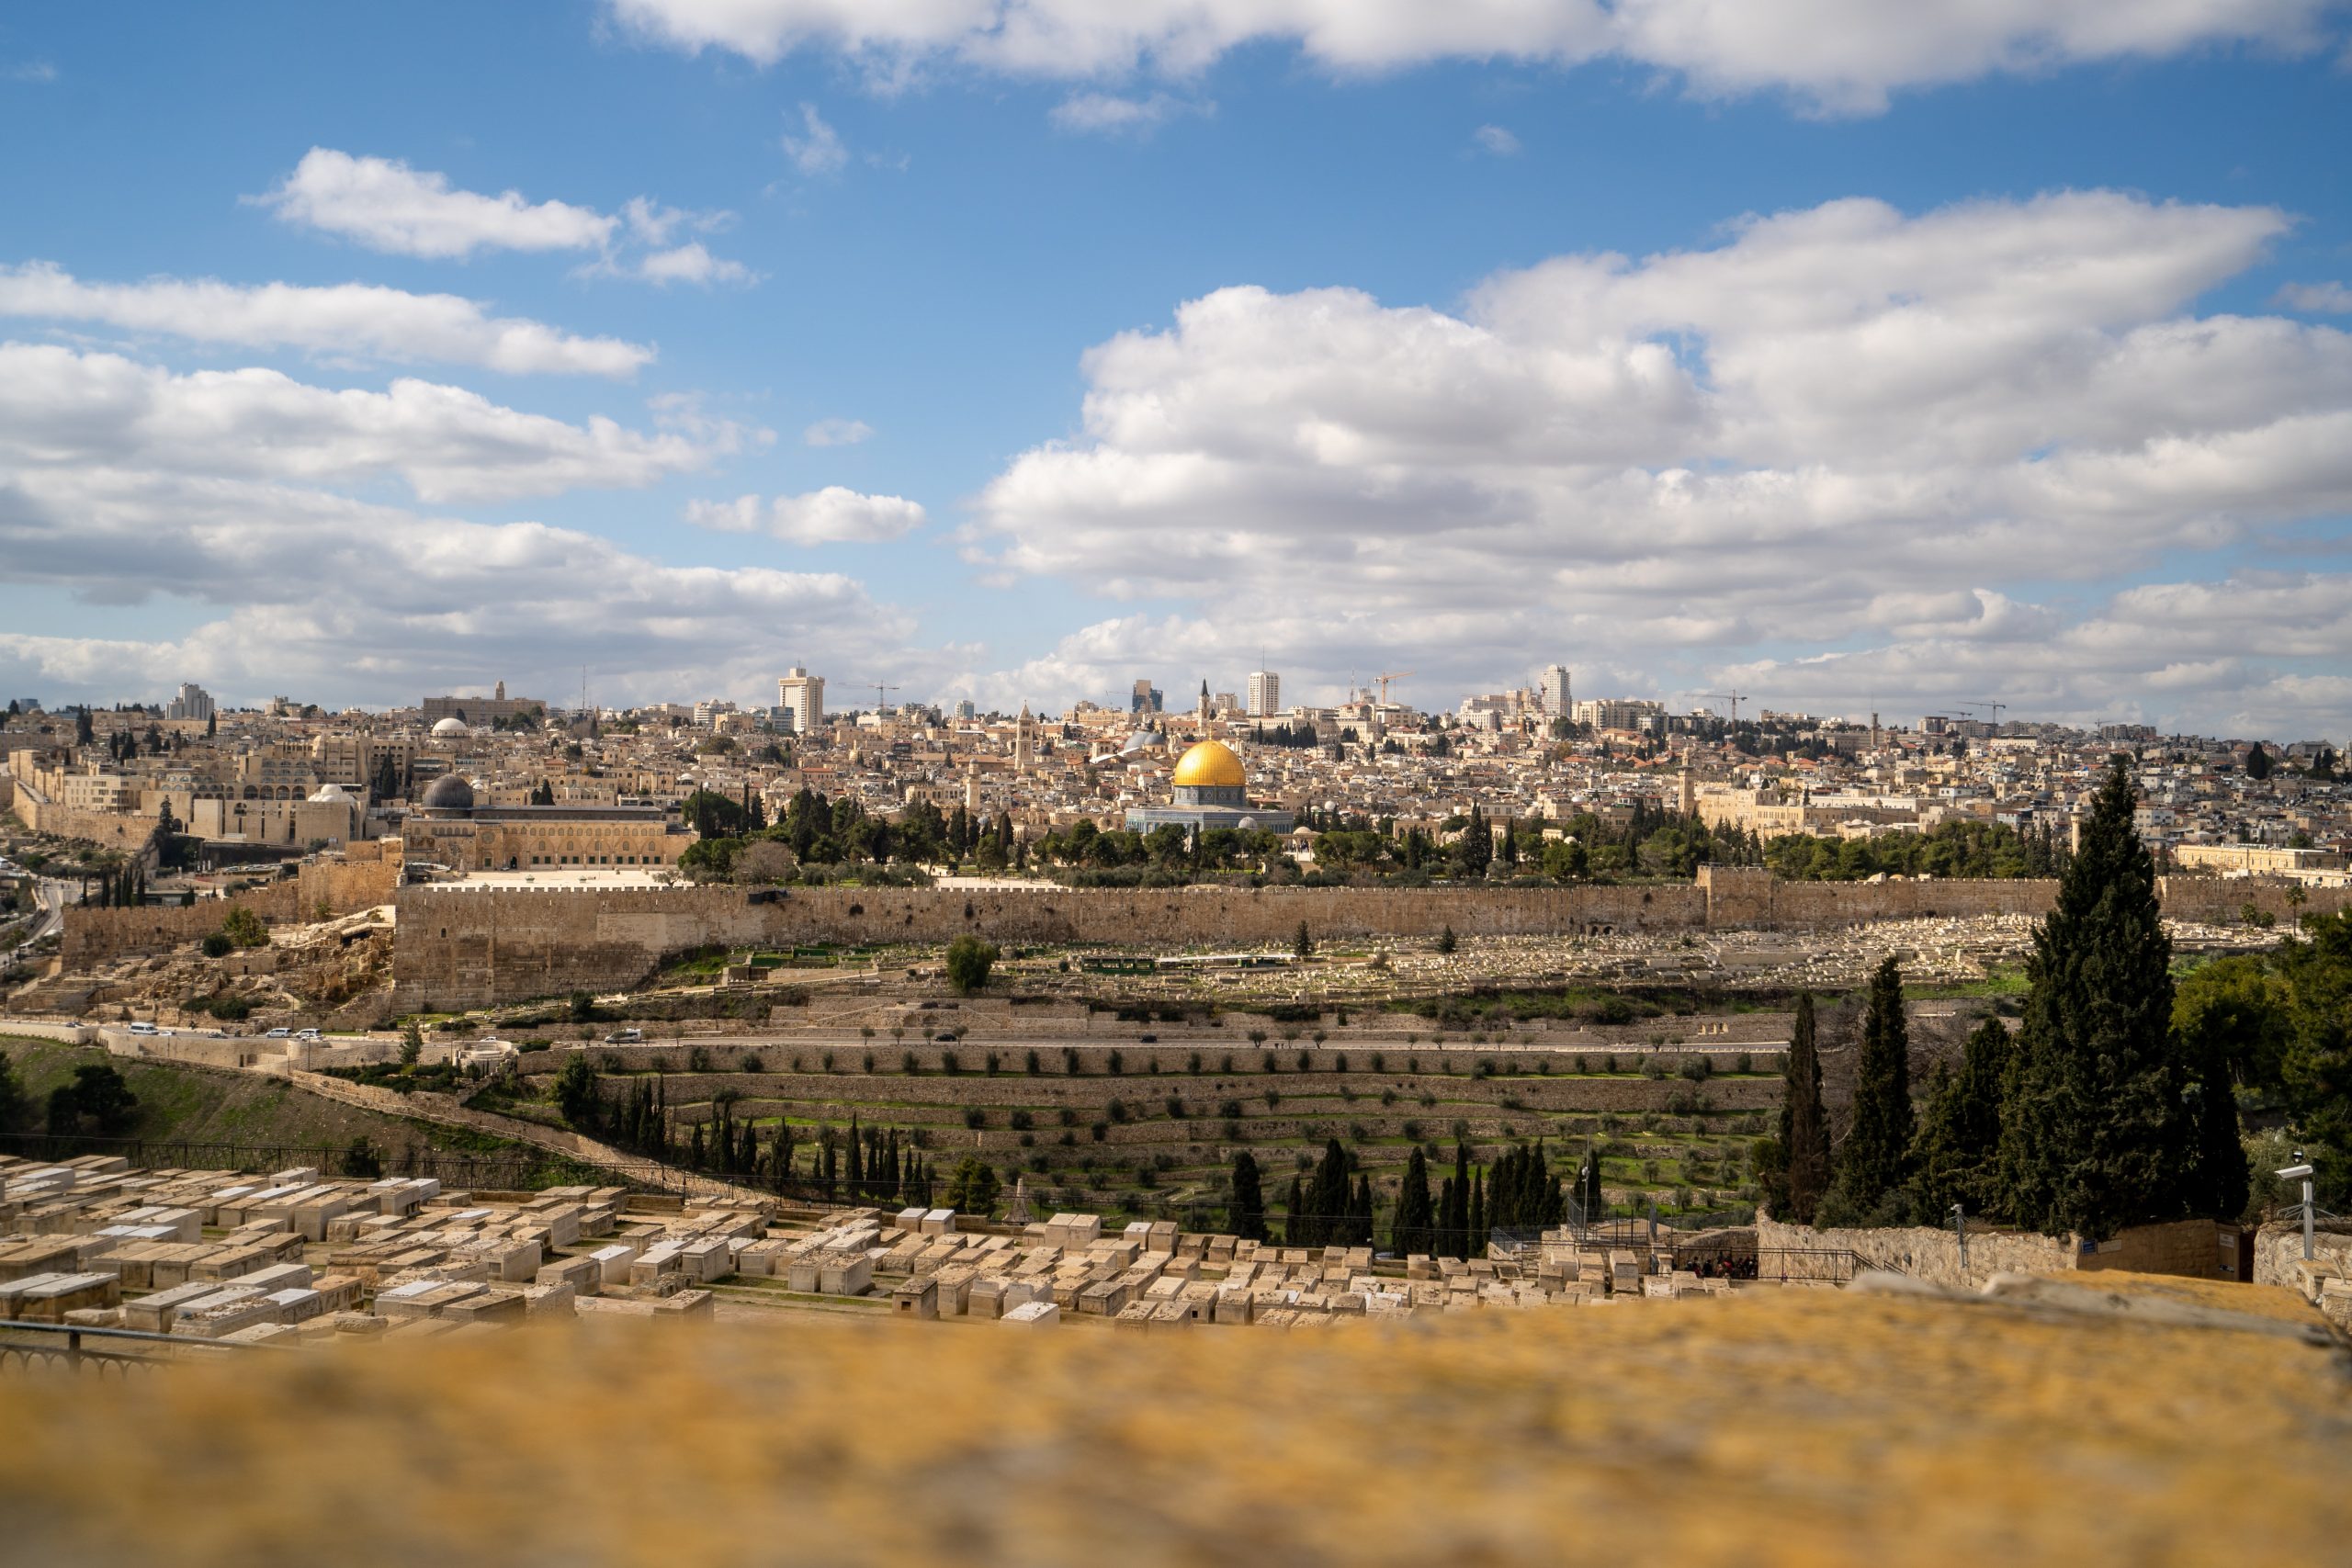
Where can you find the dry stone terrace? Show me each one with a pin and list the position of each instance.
(289, 1258)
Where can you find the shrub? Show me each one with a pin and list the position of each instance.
(1019, 1121)
(1116, 1063)
(988, 1064)
(1116, 1110)
(751, 1062)
(1176, 1108)
(1193, 1063)
(975, 1118)
(908, 1065)
(699, 1060)
(217, 944)
(1228, 1108)
(1032, 1064)
(1068, 1117)
(1101, 1130)
(949, 1065)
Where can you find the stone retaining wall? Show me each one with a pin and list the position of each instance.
(2190, 1247)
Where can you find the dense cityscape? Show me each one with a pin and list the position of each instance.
(1327, 782)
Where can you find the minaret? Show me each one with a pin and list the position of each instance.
(972, 788)
(1020, 741)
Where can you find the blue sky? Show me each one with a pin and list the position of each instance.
(1947, 360)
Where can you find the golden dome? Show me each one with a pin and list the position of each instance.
(1211, 763)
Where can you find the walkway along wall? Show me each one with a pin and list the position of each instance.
(461, 947)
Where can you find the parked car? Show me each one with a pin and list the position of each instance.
(143, 1028)
(280, 1032)
(306, 1034)
(626, 1037)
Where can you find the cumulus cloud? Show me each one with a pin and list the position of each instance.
(338, 319)
(817, 148)
(834, 515)
(345, 601)
(1842, 56)
(1109, 114)
(1494, 139)
(385, 204)
(837, 432)
(62, 409)
(1841, 428)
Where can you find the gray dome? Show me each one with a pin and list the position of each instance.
(449, 793)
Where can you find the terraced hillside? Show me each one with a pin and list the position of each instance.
(1148, 1130)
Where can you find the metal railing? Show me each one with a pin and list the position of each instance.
(101, 1352)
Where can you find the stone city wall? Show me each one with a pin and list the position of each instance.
(95, 936)
(115, 830)
(461, 947)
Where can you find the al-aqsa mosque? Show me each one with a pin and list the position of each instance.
(1212, 790)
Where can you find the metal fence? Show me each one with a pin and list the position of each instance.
(31, 1348)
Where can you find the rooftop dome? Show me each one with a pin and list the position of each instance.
(331, 794)
(1211, 765)
(448, 727)
(449, 793)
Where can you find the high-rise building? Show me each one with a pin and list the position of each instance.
(1147, 697)
(803, 695)
(194, 702)
(1557, 703)
(1265, 694)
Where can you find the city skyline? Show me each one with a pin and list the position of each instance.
(1951, 364)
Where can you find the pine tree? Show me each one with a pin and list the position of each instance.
(1960, 1136)
(1875, 1161)
(1805, 1123)
(2096, 1130)
(1249, 1216)
(1410, 1232)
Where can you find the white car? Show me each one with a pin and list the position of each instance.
(143, 1028)
(306, 1034)
(280, 1032)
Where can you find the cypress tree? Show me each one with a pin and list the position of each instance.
(857, 1161)
(1248, 1217)
(1875, 1159)
(2096, 1134)
(1960, 1135)
(1292, 1219)
(1411, 1234)
(1805, 1123)
(1457, 1217)
(1442, 1243)
(1478, 1227)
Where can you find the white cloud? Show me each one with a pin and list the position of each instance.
(1109, 114)
(818, 150)
(2332, 298)
(62, 409)
(385, 204)
(834, 515)
(1834, 55)
(36, 71)
(837, 432)
(1496, 139)
(689, 262)
(1841, 427)
(343, 601)
(339, 320)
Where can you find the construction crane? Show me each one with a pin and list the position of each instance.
(1997, 708)
(1384, 680)
(1730, 697)
(879, 690)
